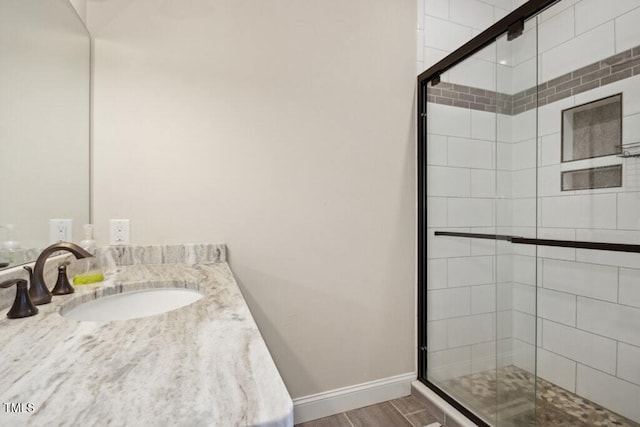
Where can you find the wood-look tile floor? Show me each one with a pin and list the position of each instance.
(404, 412)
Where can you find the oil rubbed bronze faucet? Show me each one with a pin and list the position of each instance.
(38, 291)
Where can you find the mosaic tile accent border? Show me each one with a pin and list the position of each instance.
(470, 97)
(617, 67)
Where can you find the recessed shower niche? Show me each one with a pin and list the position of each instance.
(592, 130)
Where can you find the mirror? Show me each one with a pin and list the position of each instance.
(44, 124)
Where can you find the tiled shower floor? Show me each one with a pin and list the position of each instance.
(556, 406)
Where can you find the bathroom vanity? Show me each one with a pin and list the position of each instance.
(204, 364)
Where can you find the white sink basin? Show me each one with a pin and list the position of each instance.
(133, 305)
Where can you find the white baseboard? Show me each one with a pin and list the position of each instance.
(356, 396)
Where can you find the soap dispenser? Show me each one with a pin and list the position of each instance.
(89, 270)
(88, 243)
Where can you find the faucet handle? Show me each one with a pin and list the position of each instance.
(22, 305)
(62, 287)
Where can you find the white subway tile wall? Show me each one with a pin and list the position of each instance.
(588, 302)
(448, 24)
(612, 392)
(591, 307)
(576, 344)
(629, 363)
(557, 369)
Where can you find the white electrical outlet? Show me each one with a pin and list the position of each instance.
(60, 230)
(119, 232)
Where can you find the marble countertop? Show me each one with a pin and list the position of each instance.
(205, 364)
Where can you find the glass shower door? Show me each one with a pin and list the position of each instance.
(516, 215)
(481, 187)
(588, 362)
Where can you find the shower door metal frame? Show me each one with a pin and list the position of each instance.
(511, 22)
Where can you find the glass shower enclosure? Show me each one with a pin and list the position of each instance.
(529, 219)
